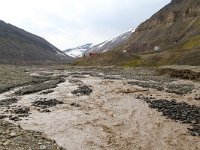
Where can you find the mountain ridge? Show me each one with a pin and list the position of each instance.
(112, 43)
(99, 48)
(172, 24)
(170, 37)
(18, 46)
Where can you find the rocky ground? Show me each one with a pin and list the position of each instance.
(102, 108)
(13, 137)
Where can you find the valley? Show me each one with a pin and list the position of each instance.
(139, 90)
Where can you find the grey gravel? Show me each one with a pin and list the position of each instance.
(82, 90)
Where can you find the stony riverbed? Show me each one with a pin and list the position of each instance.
(110, 108)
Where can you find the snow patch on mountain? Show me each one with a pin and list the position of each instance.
(99, 48)
(60, 53)
(112, 43)
(78, 51)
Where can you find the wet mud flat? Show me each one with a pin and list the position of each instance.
(106, 108)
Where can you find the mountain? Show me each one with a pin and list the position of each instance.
(174, 32)
(18, 46)
(110, 44)
(175, 25)
(78, 51)
(100, 48)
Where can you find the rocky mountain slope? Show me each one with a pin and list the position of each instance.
(78, 51)
(110, 44)
(20, 47)
(175, 25)
(174, 30)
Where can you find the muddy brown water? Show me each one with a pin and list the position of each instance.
(110, 118)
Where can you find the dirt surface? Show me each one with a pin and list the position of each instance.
(110, 108)
(15, 138)
(181, 73)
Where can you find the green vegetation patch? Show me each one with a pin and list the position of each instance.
(193, 42)
(107, 59)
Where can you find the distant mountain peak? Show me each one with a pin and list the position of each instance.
(78, 51)
(112, 43)
(86, 46)
(101, 47)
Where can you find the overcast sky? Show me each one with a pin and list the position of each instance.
(70, 23)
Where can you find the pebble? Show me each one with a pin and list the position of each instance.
(12, 134)
(14, 118)
(82, 90)
(75, 104)
(7, 102)
(7, 142)
(42, 147)
(44, 103)
(23, 110)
